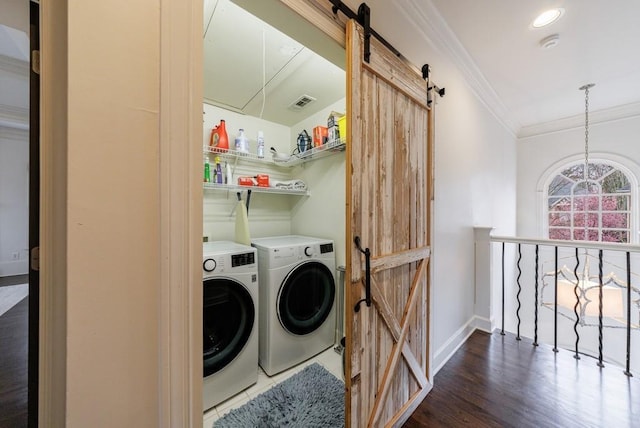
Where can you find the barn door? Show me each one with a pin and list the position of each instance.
(388, 203)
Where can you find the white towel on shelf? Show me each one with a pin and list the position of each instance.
(289, 184)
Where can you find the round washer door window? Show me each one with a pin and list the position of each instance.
(306, 298)
(228, 319)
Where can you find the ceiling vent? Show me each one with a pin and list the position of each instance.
(301, 102)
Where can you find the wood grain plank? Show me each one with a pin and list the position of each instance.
(393, 260)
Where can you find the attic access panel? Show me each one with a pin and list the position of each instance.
(233, 43)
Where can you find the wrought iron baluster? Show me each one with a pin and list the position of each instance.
(519, 290)
(535, 319)
(555, 304)
(575, 307)
(628, 370)
(600, 364)
(502, 332)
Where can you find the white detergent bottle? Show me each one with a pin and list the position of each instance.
(260, 152)
(242, 143)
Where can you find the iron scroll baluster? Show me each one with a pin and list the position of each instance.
(367, 273)
(535, 322)
(519, 290)
(628, 367)
(575, 307)
(600, 325)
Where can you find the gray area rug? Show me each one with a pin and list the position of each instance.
(312, 398)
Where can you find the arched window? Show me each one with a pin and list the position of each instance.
(598, 209)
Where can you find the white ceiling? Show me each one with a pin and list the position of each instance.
(599, 43)
(235, 72)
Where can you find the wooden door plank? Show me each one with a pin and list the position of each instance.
(395, 71)
(394, 327)
(393, 260)
(395, 355)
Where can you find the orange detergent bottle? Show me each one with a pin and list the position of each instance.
(219, 140)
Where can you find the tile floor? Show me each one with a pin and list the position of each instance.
(329, 359)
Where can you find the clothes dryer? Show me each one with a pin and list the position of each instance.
(230, 320)
(297, 299)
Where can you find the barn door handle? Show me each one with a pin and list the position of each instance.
(367, 273)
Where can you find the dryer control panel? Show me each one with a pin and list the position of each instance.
(233, 262)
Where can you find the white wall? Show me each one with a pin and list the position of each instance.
(323, 213)
(269, 214)
(616, 140)
(14, 201)
(14, 139)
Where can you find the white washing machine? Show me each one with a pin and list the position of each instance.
(297, 299)
(230, 320)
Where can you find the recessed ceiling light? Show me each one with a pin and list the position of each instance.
(548, 17)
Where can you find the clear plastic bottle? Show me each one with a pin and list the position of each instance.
(242, 143)
(260, 151)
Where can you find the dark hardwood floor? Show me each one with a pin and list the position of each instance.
(13, 366)
(496, 381)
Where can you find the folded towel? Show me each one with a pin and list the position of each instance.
(289, 184)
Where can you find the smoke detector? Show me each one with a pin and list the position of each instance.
(301, 102)
(550, 41)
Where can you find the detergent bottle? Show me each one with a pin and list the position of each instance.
(219, 140)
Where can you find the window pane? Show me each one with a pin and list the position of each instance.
(598, 170)
(622, 203)
(616, 183)
(592, 234)
(615, 221)
(560, 186)
(559, 219)
(579, 203)
(575, 172)
(559, 204)
(591, 218)
(564, 234)
(615, 236)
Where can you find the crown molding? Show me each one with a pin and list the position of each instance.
(14, 66)
(428, 21)
(625, 111)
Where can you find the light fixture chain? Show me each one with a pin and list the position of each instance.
(586, 133)
(586, 88)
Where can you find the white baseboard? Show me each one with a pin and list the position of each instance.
(446, 351)
(484, 324)
(14, 267)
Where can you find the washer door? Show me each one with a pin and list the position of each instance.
(306, 298)
(228, 319)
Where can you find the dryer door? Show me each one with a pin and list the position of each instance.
(306, 298)
(228, 319)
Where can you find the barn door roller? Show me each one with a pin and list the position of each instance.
(363, 17)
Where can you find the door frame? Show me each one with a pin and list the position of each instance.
(179, 354)
(34, 217)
